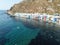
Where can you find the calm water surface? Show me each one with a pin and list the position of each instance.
(19, 31)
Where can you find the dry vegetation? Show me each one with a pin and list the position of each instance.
(36, 6)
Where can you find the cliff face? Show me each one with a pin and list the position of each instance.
(36, 6)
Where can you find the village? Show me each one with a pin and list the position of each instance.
(37, 16)
(50, 12)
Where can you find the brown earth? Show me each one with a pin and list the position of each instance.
(36, 6)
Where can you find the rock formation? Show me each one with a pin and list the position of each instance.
(36, 6)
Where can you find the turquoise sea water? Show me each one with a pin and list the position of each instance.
(14, 32)
(18, 31)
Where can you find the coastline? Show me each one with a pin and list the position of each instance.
(17, 29)
(39, 16)
(10, 13)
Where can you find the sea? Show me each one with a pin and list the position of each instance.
(23, 31)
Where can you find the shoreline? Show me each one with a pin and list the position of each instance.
(39, 16)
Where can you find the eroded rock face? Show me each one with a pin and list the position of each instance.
(37, 6)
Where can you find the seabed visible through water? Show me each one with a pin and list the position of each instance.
(20, 31)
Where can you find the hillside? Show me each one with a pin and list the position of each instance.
(36, 6)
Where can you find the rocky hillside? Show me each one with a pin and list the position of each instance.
(36, 6)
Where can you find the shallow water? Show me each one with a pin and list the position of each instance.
(19, 31)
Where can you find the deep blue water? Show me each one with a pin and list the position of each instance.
(18, 31)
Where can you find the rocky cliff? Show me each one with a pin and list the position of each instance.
(36, 6)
